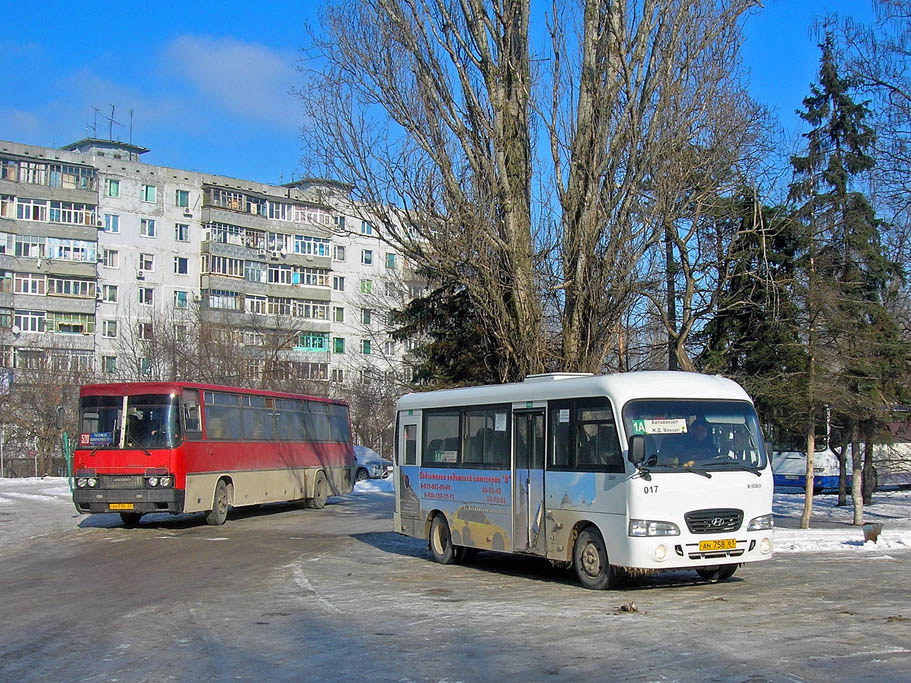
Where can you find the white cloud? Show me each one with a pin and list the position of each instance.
(248, 80)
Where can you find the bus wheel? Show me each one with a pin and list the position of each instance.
(440, 542)
(590, 560)
(721, 573)
(130, 519)
(361, 475)
(320, 492)
(219, 512)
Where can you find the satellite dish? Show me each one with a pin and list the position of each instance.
(16, 329)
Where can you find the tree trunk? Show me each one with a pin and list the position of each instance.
(843, 467)
(669, 273)
(869, 480)
(857, 483)
(808, 491)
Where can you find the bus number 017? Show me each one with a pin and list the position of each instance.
(650, 489)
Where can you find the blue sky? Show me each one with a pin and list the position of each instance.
(209, 83)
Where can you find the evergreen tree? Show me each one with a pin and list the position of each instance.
(849, 338)
(456, 347)
(753, 337)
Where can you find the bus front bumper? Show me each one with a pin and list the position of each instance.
(128, 500)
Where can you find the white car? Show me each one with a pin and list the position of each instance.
(370, 465)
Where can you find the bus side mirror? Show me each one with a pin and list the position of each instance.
(637, 449)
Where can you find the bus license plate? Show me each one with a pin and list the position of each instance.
(120, 506)
(719, 544)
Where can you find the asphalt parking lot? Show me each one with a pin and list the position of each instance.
(285, 593)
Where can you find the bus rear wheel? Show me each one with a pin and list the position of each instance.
(439, 542)
(219, 512)
(720, 573)
(590, 560)
(130, 519)
(320, 492)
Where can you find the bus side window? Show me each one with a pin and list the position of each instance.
(191, 421)
(411, 444)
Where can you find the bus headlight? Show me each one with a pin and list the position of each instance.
(761, 523)
(164, 481)
(661, 552)
(650, 527)
(81, 482)
(92, 482)
(153, 481)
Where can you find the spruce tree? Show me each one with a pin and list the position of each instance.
(850, 339)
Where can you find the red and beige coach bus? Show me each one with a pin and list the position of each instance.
(185, 447)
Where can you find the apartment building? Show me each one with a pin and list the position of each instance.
(108, 265)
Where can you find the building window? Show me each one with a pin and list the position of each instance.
(367, 257)
(29, 283)
(255, 271)
(338, 345)
(338, 253)
(144, 330)
(109, 365)
(338, 283)
(338, 375)
(147, 227)
(182, 198)
(366, 228)
(255, 304)
(111, 222)
(313, 341)
(181, 299)
(366, 286)
(181, 232)
(109, 293)
(338, 314)
(148, 193)
(390, 260)
(366, 316)
(111, 258)
(112, 187)
(147, 262)
(181, 265)
(146, 295)
(365, 347)
(30, 321)
(389, 348)
(109, 329)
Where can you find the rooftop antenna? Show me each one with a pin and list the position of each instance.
(111, 123)
(131, 134)
(94, 123)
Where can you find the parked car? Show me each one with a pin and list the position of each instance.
(370, 465)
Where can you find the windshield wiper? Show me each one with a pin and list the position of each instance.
(136, 442)
(737, 465)
(680, 468)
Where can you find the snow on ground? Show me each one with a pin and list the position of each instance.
(32, 507)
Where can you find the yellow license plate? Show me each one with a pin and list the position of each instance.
(718, 544)
(120, 506)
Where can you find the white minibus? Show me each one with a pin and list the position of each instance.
(607, 473)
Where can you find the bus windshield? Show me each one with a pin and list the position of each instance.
(700, 435)
(151, 421)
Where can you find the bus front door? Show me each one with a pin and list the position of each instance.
(528, 478)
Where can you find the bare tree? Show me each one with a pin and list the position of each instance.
(429, 108)
(646, 118)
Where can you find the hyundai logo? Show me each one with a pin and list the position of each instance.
(718, 521)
